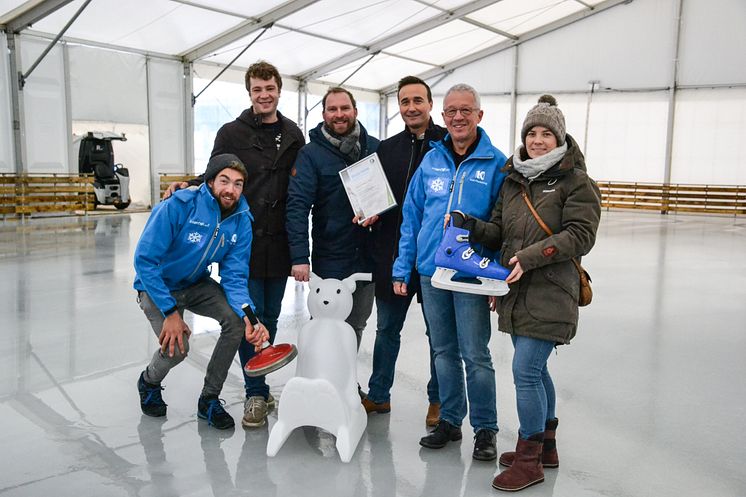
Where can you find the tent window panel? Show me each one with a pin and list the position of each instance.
(627, 137)
(709, 127)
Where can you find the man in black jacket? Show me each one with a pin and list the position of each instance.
(267, 143)
(400, 156)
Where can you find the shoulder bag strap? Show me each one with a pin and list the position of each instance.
(543, 225)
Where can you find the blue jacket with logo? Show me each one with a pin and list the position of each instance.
(438, 188)
(183, 236)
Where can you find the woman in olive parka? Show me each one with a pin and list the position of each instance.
(541, 309)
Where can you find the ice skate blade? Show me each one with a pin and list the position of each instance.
(443, 279)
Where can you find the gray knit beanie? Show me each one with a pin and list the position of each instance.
(219, 162)
(546, 114)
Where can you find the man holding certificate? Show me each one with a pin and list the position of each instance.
(341, 246)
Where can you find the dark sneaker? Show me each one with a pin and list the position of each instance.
(211, 409)
(442, 434)
(485, 445)
(371, 406)
(151, 401)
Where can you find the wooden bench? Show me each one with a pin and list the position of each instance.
(707, 199)
(29, 194)
(166, 179)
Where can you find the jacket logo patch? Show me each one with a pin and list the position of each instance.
(233, 239)
(194, 237)
(549, 251)
(437, 185)
(199, 223)
(548, 191)
(479, 175)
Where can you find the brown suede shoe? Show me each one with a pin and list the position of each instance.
(433, 414)
(371, 406)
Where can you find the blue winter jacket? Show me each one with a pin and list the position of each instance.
(183, 236)
(340, 248)
(438, 188)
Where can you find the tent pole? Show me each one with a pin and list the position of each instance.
(672, 95)
(24, 77)
(513, 102)
(16, 96)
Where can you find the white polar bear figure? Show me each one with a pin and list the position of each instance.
(324, 392)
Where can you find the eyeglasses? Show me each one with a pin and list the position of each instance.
(465, 112)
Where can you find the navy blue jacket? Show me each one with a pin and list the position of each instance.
(340, 248)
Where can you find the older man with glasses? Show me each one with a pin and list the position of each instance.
(461, 172)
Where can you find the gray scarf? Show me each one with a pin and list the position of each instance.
(532, 168)
(348, 145)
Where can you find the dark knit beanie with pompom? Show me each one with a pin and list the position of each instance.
(546, 114)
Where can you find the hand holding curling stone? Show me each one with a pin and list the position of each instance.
(268, 358)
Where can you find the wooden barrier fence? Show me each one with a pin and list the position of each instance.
(706, 199)
(166, 179)
(29, 194)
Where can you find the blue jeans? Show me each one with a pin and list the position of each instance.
(460, 334)
(391, 316)
(533, 386)
(266, 293)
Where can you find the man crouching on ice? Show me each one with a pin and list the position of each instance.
(183, 236)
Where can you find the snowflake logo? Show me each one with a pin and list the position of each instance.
(194, 237)
(437, 185)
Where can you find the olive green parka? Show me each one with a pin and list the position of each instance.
(544, 302)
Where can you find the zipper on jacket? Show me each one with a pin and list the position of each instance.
(461, 188)
(214, 236)
(220, 244)
(397, 236)
(207, 249)
(450, 190)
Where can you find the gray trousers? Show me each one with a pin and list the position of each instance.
(362, 306)
(205, 298)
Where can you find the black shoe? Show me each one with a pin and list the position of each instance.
(211, 409)
(485, 445)
(151, 401)
(442, 434)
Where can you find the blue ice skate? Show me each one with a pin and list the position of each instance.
(460, 269)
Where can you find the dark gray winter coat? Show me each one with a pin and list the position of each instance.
(544, 302)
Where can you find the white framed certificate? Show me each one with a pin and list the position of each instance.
(367, 187)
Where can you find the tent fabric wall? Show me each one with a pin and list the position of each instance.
(710, 127)
(166, 103)
(106, 85)
(493, 74)
(632, 47)
(46, 123)
(712, 41)
(7, 163)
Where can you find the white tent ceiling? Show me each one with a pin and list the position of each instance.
(311, 40)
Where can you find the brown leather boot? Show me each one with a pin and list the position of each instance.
(433, 414)
(371, 406)
(526, 469)
(549, 456)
